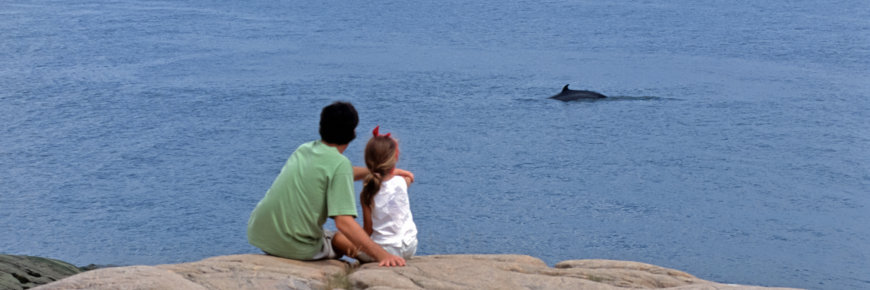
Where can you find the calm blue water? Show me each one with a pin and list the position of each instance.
(736, 148)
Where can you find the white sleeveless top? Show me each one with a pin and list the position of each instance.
(392, 222)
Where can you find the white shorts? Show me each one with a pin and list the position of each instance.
(406, 251)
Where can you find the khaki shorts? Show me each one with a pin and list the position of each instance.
(406, 251)
(327, 252)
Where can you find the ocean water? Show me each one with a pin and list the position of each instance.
(734, 145)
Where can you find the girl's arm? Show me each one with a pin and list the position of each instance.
(409, 177)
(367, 220)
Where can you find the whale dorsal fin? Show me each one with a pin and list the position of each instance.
(565, 88)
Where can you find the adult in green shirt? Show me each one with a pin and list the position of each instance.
(316, 182)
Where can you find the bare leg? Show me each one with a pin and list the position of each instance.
(343, 246)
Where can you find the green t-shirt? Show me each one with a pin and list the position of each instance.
(315, 183)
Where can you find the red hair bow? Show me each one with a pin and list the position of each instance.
(376, 133)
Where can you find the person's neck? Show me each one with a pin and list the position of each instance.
(390, 174)
(340, 148)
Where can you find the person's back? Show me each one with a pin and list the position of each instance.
(392, 222)
(288, 221)
(316, 183)
(387, 214)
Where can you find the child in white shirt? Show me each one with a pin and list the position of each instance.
(386, 211)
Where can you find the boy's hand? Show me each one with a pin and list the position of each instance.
(404, 173)
(391, 261)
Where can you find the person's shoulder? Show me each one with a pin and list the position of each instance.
(323, 150)
(322, 155)
(306, 147)
(329, 157)
(398, 181)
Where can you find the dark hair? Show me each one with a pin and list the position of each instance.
(380, 155)
(338, 123)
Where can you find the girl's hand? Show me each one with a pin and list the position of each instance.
(404, 173)
(392, 261)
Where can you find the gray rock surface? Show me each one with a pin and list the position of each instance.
(525, 272)
(424, 272)
(223, 272)
(24, 272)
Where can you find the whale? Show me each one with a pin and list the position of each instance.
(573, 95)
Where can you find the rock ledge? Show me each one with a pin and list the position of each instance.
(252, 271)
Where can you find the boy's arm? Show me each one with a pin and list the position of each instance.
(348, 227)
(409, 177)
(360, 173)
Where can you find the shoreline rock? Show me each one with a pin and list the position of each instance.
(23, 272)
(256, 271)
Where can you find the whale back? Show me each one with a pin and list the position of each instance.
(572, 95)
